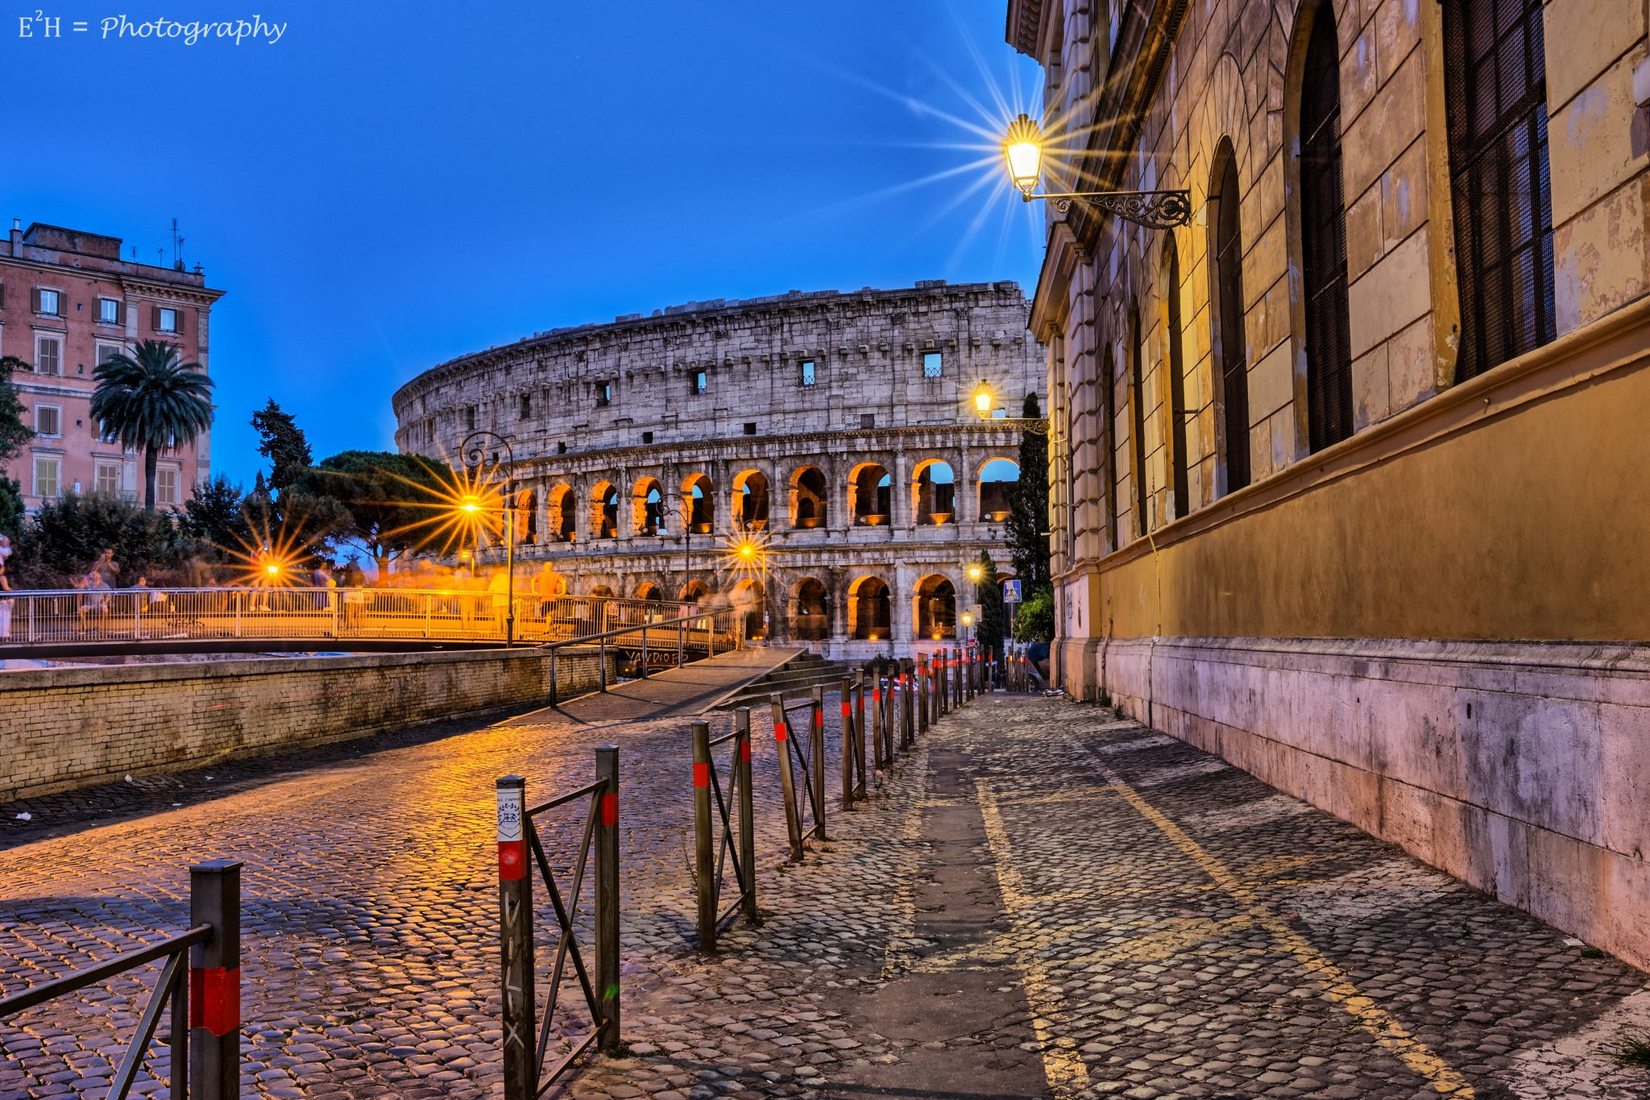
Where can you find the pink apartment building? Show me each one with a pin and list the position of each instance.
(68, 301)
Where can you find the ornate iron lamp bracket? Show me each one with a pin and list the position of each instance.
(1152, 209)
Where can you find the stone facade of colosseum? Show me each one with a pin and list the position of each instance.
(836, 431)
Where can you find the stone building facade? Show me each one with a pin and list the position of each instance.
(1348, 473)
(834, 433)
(67, 300)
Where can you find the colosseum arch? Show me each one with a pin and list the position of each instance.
(693, 591)
(650, 591)
(604, 511)
(998, 479)
(870, 495)
(527, 517)
(809, 496)
(935, 608)
(647, 506)
(699, 503)
(810, 615)
(934, 493)
(602, 591)
(870, 609)
(750, 500)
(751, 599)
(564, 513)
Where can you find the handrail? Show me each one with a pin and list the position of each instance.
(562, 800)
(80, 979)
(585, 639)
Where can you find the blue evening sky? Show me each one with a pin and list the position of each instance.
(393, 184)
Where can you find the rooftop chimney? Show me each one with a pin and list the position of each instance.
(16, 236)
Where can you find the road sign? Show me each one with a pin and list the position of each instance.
(1011, 590)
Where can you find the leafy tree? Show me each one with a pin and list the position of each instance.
(989, 593)
(390, 498)
(11, 508)
(13, 432)
(283, 443)
(67, 534)
(212, 516)
(1034, 621)
(1028, 508)
(151, 400)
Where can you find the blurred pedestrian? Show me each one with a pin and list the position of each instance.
(5, 600)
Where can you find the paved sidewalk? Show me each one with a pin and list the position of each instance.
(1042, 900)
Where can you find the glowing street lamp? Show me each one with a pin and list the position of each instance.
(976, 571)
(474, 449)
(1023, 157)
(983, 400)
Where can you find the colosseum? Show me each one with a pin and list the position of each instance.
(815, 458)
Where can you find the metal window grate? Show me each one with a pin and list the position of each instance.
(1495, 83)
(1323, 221)
(1177, 380)
(1234, 367)
(1137, 430)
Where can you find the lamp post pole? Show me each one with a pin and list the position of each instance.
(473, 451)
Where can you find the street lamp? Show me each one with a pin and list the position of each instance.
(976, 571)
(985, 402)
(474, 453)
(1023, 156)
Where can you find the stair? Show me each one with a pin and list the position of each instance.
(796, 677)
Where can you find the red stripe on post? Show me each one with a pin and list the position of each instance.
(701, 775)
(819, 716)
(779, 731)
(846, 709)
(610, 809)
(745, 750)
(876, 695)
(512, 860)
(215, 999)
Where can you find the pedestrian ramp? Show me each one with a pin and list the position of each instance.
(691, 689)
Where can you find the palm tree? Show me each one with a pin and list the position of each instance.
(148, 399)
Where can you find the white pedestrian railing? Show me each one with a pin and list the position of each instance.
(160, 614)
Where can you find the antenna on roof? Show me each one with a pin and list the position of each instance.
(177, 247)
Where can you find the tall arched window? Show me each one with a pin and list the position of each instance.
(1137, 430)
(1231, 363)
(1108, 441)
(1176, 364)
(1495, 80)
(1323, 239)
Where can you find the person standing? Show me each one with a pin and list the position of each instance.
(5, 600)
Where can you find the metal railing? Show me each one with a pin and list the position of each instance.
(204, 997)
(455, 614)
(810, 762)
(527, 1034)
(713, 851)
(666, 643)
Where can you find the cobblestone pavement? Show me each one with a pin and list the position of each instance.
(1042, 899)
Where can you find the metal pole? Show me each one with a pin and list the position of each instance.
(515, 939)
(922, 695)
(607, 898)
(704, 839)
(644, 645)
(680, 642)
(908, 685)
(876, 715)
(845, 697)
(555, 686)
(747, 809)
(215, 979)
(601, 659)
(817, 753)
(509, 561)
(787, 777)
(859, 730)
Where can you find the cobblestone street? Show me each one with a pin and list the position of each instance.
(1042, 899)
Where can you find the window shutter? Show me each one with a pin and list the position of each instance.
(120, 313)
(179, 315)
(1323, 223)
(154, 318)
(37, 299)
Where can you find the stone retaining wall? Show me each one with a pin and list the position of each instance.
(74, 727)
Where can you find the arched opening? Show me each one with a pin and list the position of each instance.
(1137, 427)
(1230, 354)
(936, 608)
(602, 591)
(527, 517)
(808, 498)
(649, 591)
(750, 601)
(604, 511)
(564, 515)
(1323, 236)
(750, 500)
(693, 592)
(872, 493)
(1174, 360)
(999, 477)
(810, 611)
(647, 505)
(934, 494)
(870, 610)
(699, 504)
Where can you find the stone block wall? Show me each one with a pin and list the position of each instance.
(74, 727)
